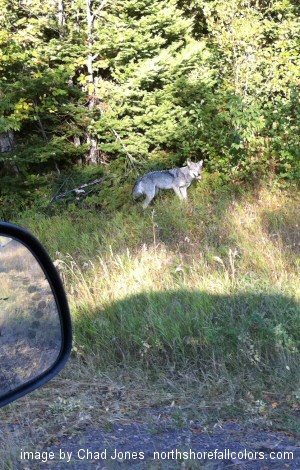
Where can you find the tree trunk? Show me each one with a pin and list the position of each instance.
(93, 156)
(77, 143)
(61, 13)
(7, 141)
(7, 144)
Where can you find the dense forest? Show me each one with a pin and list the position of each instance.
(92, 88)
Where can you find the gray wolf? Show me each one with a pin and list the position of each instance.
(178, 179)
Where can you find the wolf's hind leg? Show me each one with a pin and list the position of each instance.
(149, 196)
(147, 202)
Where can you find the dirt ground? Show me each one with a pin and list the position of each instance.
(152, 438)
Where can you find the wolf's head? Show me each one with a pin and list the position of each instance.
(195, 169)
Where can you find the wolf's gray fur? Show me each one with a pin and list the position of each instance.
(178, 179)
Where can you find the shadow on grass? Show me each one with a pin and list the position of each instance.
(250, 338)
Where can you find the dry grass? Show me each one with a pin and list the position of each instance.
(224, 251)
(194, 304)
(251, 249)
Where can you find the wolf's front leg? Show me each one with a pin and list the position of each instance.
(183, 191)
(178, 192)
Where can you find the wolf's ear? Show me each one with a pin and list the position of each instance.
(188, 162)
(201, 163)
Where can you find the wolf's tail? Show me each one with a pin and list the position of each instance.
(138, 190)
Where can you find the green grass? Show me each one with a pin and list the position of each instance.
(211, 286)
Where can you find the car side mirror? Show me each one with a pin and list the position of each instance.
(35, 322)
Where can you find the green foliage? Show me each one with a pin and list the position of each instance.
(193, 79)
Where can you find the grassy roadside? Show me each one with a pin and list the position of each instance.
(212, 285)
(195, 303)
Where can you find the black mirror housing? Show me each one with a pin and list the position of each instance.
(64, 338)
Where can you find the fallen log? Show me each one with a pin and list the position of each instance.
(76, 191)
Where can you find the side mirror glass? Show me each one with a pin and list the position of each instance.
(35, 325)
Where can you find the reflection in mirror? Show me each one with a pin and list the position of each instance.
(30, 330)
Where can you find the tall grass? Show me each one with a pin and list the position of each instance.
(211, 285)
